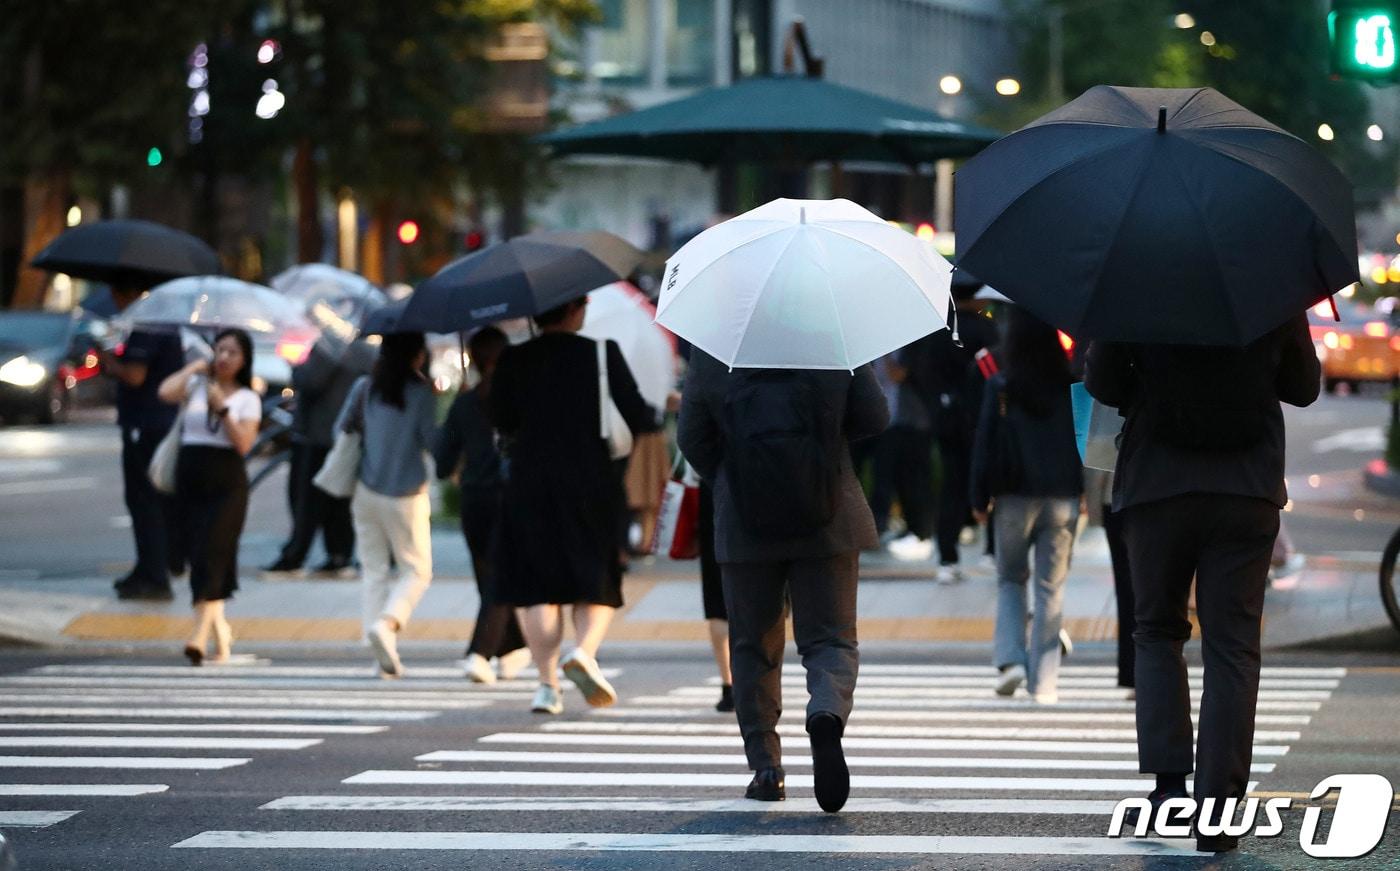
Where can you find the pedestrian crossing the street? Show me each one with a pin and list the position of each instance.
(928, 742)
(123, 729)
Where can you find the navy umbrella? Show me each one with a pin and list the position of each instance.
(384, 319)
(128, 253)
(522, 277)
(1157, 215)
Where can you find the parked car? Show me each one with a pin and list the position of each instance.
(46, 359)
(1363, 346)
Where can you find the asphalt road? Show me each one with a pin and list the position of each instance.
(608, 790)
(62, 515)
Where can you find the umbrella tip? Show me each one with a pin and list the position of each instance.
(1161, 119)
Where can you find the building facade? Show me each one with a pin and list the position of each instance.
(645, 52)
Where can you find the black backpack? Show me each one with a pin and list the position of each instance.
(781, 452)
(1209, 398)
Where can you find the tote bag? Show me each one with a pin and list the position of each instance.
(613, 425)
(166, 459)
(341, 471)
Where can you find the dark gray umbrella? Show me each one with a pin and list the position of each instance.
(1156, 215)
(384, 319)
(128, 253)
(522, 277)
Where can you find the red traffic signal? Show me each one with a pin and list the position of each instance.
(408, 232)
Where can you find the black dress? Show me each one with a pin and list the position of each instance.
(561, 503)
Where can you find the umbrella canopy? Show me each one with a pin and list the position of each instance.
(784, 118)
(621, 312)
(214, 302)
(347, 293)
(384, 319)
(522, 277)
(128, 253)
(804, 284)
(1156, 215)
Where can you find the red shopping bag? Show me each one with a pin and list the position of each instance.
(676, 532)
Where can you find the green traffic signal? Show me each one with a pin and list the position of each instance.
(154, 157)
(1364, 40)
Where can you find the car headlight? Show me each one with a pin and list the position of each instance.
(23, 372)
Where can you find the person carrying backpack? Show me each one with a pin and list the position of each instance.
(790, 522)
(1199, 486)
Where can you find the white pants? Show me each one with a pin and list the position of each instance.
(394, 526)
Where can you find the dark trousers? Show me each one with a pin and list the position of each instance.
(903, 471)
(497, 631)
(212, 495)
(1123, 592)
(823, 596)
(1224, 542)
(954, 510)
(314, 510)
(149, 509)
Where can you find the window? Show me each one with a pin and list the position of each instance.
(690, 42)
(622, 42)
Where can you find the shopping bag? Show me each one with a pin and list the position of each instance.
(676, 533)
(1096, 429)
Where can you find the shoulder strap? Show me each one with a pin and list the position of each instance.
(604, 395)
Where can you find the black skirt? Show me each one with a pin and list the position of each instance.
(211, 491)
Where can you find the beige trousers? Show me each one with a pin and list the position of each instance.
(397, 527)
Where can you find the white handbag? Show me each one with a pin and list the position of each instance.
(340, 472)
(165, 462)
(614, 428)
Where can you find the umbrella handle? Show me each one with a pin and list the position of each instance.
(1336, 315)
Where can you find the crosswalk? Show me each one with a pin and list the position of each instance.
(129, 731)
(663, 773)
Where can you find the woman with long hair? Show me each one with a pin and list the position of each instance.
(393, 410)
(222, 414)
(1024, 458)
(466, 448)
(562, 501)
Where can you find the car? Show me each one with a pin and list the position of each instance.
(1363, 346)
(45, 359)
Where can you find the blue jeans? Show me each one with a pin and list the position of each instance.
(1047, 523)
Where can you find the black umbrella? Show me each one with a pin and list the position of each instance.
(384, 319)
(1155, 215)
(524, 276)
(128, 253)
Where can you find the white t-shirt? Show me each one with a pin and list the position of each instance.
(202, 429)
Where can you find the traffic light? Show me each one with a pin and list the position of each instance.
(408, 232)
(1365, 40)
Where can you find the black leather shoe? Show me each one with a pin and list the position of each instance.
(831, 778)
(124, 581)
(725, 704)
(283, 565)
(145, 593)
(1156, 797)
(768, 784)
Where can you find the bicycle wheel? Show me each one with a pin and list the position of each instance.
(1389, 580)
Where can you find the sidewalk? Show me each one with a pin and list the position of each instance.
(1332, 598)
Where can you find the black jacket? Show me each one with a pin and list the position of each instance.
(1049, 460)
(702, 437)
(321, 383)
(1149, 469)
(466, 444)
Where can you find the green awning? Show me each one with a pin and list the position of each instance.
(780, 119)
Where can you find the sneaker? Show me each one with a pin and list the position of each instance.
(509, 665)
(1066, 644)
(548, 700)
(1011, 677)
(335, 568)
(384, 642)
(1046, 698)
(948, 575)
(911, 548)
(583, 670)
(478, 670)
(282, 567)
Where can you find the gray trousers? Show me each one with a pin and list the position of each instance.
(1047, 524)
(1226, 543)
(823, 596)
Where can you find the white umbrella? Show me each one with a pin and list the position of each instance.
(804, 284)
(215, 302)
(621, 312)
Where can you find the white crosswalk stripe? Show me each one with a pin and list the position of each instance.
(924, 740)
(119, 720)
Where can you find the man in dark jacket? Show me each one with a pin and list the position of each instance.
(321, 383)
(1208, 511)
(760, 571)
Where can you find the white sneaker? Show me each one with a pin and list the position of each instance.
(548, 700)
(1046, 698)
(511, 664)
(1066, 644)
(1009, 680)
(478, 670)
(583, 670)
(948, 575)
(384, 642)
(911, 548)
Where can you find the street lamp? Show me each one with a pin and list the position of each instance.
(1207, 38)
(950, 85)
(1184, 21)
(1008, 87)
(1375, 133)
(1325, 132)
